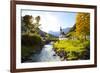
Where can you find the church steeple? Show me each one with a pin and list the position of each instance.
(60, 30)
(62, 34)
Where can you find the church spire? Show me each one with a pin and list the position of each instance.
(60, 30)
(62, 34)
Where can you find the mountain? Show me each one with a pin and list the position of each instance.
(73, 28)
(43, 34)
(57, 33)
(66, 30)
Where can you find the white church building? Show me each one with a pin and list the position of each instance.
(62, 35)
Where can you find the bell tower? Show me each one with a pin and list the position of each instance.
(61, 31)
(62, 34)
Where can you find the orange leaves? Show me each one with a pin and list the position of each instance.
(82, 24)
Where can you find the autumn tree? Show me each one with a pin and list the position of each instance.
(82, 25)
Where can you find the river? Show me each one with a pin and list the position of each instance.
(47, 54)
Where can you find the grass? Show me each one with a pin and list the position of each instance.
(74, 48)
(68, 45)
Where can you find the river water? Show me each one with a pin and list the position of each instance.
(47, 54)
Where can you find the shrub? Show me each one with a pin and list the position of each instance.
(26, 51)
(30, 44)
(30, 40)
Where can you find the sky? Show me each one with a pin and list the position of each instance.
(52, 20)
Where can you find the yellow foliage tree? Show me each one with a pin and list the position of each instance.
(83, 25)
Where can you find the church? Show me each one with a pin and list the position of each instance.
(62, 34)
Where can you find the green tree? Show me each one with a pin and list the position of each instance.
(36, 24)
(29, 23)
(27, 20)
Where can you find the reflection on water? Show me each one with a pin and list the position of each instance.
(47, 54)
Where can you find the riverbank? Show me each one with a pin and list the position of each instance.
(72, 49)
(47, 54)
(30, 44)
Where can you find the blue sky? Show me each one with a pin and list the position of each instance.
(53, 20)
